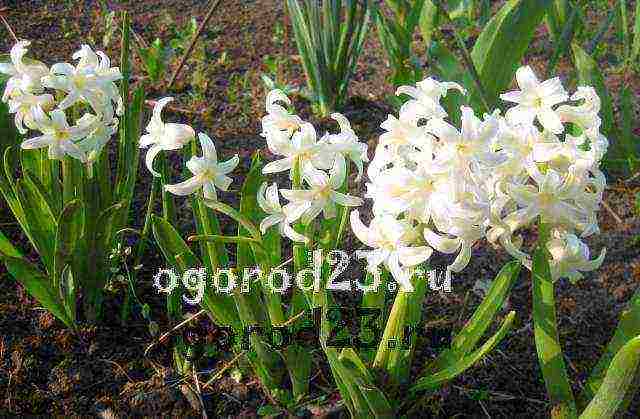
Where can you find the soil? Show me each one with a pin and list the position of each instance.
(102, 370)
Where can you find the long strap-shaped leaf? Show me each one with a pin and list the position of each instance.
(503, 42)
(466, 340)
(547, 341)
(628, 328)
(38, 285)
(433, 381)
(171, 244)
(619, 377)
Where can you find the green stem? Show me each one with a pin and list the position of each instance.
(547, 340)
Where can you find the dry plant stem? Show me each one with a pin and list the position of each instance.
(167, 334)
(222, 370)
(291, 320)
(6, 25)
(199, 394)
(120, 368)
(213, 7)
(612, 212)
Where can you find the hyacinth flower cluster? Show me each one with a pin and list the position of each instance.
(438, 187)
(317, 168)
(51, 100)
(208, 173)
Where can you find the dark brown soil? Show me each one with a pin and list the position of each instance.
(46, 370)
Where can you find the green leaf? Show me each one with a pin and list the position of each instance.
(366, 400)
(428, 21)
(499, 50)
(628, 328)
(171, 245)
(40, 219)
(435, 380)
(38, 286)
(473, 330)
(269, 410)
(635, 48)
(589, 75)
(67, 236)
(626, 128)
(68, 292)
(236, 215)
(547, 341)
(619, 377)
(6, 248)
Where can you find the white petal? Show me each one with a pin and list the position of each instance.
(278, 166)
(347, 200)
(269, 221)
(208, 148)
(550, 120)
(514, 96)
(292, 234)
(440, 243)
(362, 232)
(463, 258)
(223, 182)
(37, 142)
(229, 165)
(187, 187)
(177, 135)
(526, 78)
(412, 256)
(209, 191)
(150, 157)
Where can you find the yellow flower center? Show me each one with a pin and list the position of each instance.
(79, 81)
(62, 135)
(537, 102)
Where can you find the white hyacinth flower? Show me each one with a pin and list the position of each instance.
(57, 135)
(24, 77)
(23, 105)
(426, 96)
(399, 190)
(163, 136)
(303, 148)
(99, 132)
(91, 80)
(392, 242)
(585, 115)
(208, 173)
(278, 118)
(570, 256)
(322, 195)
(536, 99)
(346, 144)
(269, 201)
(552, 199)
